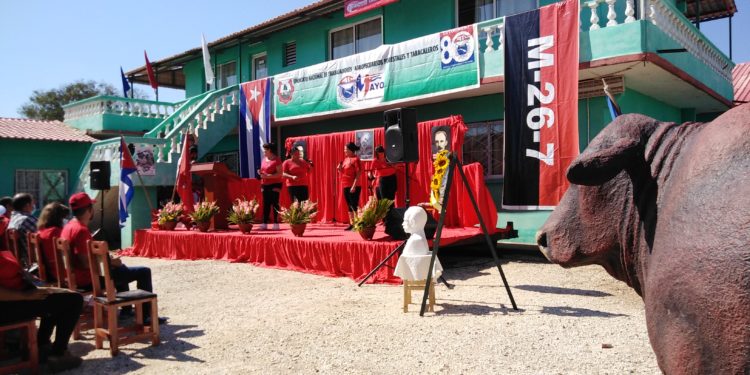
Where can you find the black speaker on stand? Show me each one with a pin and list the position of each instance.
(401, 142)
(99, 175)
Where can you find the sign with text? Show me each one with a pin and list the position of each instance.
(429, 66)
(541, 104)
(355, 7)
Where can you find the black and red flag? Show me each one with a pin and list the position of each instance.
(541, 104)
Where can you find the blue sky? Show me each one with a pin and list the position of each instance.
(46, 44)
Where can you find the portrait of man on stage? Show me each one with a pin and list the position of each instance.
(301, 145)
(365, 140)
(144, 160)
(441, 139)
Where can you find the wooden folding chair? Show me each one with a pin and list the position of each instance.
(108, 300)
(35, 249)
(66, 279)
(12, 237)
(32, 360)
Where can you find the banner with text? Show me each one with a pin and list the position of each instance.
(428, 66)
(541, 104)
(355, 7)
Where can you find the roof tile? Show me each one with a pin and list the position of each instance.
(17, 128)
(741, 81)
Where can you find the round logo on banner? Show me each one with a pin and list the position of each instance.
(347, 89)
(285, 91)
(463, 43)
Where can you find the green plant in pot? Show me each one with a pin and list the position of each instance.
(202, 214)
(243, 214)
(169, 215)
(298, 215)
(370, 215)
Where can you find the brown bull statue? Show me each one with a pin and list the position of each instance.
(666, 209)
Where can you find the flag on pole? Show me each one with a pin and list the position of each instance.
(125, 84)
(614, 109)
(255, 124)
(184, 181)
(207, 62)
(127, 166)
(150, 70)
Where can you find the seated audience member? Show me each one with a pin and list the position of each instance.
(7, 202)
(50, 225)
(77, 233)
(23, 221)
(58, 308)
(4, 222)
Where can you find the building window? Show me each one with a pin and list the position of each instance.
(357, 38)
(230, 159)
(227, 74)
(260, 68)
(290, 53)
(44, 185)
(473, 11)
(483, 143)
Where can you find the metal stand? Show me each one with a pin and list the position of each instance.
(454, 162)
(101, 233)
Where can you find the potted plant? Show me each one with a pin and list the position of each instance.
(202, 214)
(370, 215)
(298, 215)
(169, 215)
(243, 214)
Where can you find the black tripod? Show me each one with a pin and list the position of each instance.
(453, 164)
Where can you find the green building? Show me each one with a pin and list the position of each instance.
(653, 57)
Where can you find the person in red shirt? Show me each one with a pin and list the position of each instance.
(270, 184)
(295, 172)
(59, 310)
(50, 226)
(385, 173)
(349, 170)
(6, 206)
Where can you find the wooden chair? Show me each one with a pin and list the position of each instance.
(108, 300)
(32, 362)
(35, 249)
(418, 285)
(12, 237)
(66, 279)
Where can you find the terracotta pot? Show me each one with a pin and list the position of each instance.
(204, 226)
(298, 229)
(367, 233)
(169, 225)
(245, 228)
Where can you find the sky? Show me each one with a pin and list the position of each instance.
(46, 44)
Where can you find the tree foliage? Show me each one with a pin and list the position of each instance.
(47, 104)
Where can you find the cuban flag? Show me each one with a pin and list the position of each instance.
(255, 124)
(127, 166)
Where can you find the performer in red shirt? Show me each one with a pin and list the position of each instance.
(270, 184)
(385, 173)
(295, 171)
(350, 170)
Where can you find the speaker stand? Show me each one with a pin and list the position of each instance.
(454, 164)
(101, 232)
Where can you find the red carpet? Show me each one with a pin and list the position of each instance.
(324, 250)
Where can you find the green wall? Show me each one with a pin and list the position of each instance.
(27, 154)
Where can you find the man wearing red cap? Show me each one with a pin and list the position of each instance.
(77, 233)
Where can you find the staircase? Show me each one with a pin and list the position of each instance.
(209, 116)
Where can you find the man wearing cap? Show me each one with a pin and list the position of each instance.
(77, 233)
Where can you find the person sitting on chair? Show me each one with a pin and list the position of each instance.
(24, 222)
(77, 233)
(50, 226)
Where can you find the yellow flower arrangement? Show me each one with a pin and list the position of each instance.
(440, 165)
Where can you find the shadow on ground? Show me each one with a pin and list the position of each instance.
(558, 290)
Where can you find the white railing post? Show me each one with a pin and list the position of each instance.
(629, 11)
(611, 15)
(594, 17)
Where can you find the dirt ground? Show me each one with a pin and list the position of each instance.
(227, 318)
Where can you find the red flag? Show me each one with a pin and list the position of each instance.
(184, 181)
(151, 76)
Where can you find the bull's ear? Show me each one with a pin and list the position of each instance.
(597, 167)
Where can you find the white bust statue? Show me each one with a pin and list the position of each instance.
(415, 219)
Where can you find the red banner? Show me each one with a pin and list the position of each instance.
(541, 104)
(354, 7)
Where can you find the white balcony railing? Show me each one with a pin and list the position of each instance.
(100, 105)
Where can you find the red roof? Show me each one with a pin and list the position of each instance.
(18, 128)
(741, 81)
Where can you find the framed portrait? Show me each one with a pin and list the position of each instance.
(441, 139)
(144, 159)
(365, 139)
(301, 145)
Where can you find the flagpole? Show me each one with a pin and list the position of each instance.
(145, 191)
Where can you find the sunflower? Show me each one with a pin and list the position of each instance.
(435, 185)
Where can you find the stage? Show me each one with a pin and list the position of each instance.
(325, 249)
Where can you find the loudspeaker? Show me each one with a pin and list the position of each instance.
(99, 174)
(395, 218)
(401, 144)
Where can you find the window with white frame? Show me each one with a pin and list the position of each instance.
(361, 37)
(473, 11)
(44, 185)
(483, 143)
(260, 67)
(227, 74)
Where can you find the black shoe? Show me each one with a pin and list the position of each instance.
(350, 227)
(162, 320)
